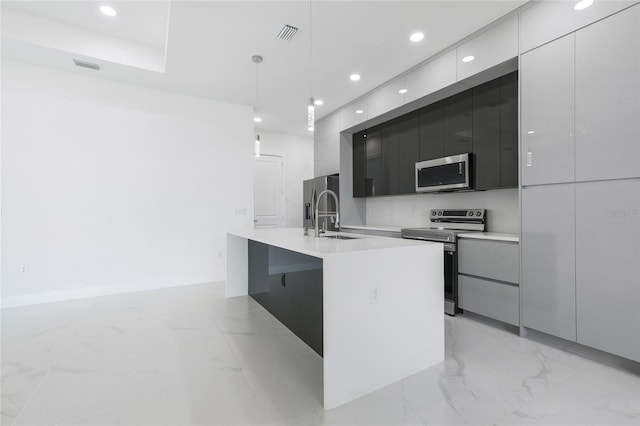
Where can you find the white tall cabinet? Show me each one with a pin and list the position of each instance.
(580, 168)
(548, 289)
(547, 95)
(608, 266)
(607, 82)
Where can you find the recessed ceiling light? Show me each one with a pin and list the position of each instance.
(468, 58)
(402, 91)
(108, 10)
(416, 37)
(257, 119)
(359, 111)
(318, 102)
(583, 4)
(354, 77)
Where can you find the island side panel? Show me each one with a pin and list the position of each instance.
(383, 318)
(237, 266)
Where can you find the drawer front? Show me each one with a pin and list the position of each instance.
(489, 298)
(497, 260)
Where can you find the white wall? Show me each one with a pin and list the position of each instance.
(297, 153)
(413, 210)
(108, 187)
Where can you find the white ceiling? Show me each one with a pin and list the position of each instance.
(209, 45)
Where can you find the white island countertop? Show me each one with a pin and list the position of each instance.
(295, 240)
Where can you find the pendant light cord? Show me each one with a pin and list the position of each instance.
(311, 47)
(257, 92)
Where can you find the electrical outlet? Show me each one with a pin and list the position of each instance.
(24, 269)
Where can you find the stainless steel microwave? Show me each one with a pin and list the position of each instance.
(444, 174)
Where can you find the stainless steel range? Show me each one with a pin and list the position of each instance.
(445, 227)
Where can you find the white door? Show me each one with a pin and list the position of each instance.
(268, 192)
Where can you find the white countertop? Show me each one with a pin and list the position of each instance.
(295, 240)
(374, 227)
(495, 236)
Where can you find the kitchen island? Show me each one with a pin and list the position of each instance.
(381, 301)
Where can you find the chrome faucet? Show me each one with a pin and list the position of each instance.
(320, 214)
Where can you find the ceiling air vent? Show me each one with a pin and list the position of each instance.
(286, 33)
(86, 64)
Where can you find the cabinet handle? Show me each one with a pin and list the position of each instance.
(283, 280)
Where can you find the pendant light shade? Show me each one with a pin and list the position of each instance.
(256, 59)
(311, 112)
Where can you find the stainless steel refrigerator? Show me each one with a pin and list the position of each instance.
(311, 189)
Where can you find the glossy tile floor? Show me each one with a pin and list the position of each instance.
(187, 356)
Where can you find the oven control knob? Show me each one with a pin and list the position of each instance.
(478, 213)
(470, 214)
(439, 213)
(433, 213)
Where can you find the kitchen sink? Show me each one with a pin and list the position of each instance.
(339, 237)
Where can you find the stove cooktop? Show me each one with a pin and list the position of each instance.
(447, 224)
(433, 234)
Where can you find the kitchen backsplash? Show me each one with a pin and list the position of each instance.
(412, 210)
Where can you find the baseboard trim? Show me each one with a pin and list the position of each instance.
(594, 354)
(79, 293)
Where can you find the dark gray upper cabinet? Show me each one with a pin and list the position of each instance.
(431, 132)
(458, 123)
(509, 131)
(495, 133)
(482, 121)
(400, 142)
(359, 164)
(374, 181)
(486, 134)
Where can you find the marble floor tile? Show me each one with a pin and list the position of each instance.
(285, 373)
(188, 356)
(201, 395)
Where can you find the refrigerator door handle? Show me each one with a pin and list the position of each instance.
(313, 207)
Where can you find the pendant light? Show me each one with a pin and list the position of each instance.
(256, 59)
(311, 108)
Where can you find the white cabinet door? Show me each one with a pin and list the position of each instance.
(547, 113)
(353, 114)
(548, 20)
(432, 76)
(607, 71)
(386, 98)
(608, 266)
(490, 48)
(326, 126)
(548, 287)
(326, 155)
